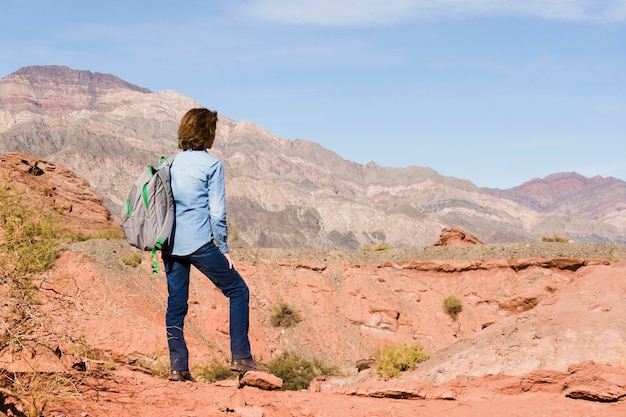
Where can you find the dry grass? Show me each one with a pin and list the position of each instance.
(556, 238)
(452, 305)
(30, 238)
(284, 315)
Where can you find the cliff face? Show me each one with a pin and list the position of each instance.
(283, 193)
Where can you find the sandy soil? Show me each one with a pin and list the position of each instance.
(470, 252)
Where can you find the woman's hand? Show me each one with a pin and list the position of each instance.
(229, 259)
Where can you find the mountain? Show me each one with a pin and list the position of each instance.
(284, 193)
(597, 198)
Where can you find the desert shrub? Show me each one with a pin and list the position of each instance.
(452, 305)
(297, 372)
(283, 315)
(556, 237)
(214, 371)
(133, 259)
(395, 359)
(378, 247)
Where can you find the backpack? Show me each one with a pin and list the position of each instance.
(148, 215)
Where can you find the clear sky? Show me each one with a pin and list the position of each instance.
(497, 92)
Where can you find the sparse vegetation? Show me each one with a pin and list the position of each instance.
(452, 305)
(29, 242)
(556, 237)
(376, 248)
(133, 259)
(112, 233)
(234, 237)
(33, 392)
(30, 239)
(157, 365)
(214, 371)
(283, 315)
(395, 359)
(297, 372)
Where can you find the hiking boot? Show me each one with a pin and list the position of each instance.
(247, 364)
(181, 376)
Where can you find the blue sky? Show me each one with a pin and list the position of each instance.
(497, 92)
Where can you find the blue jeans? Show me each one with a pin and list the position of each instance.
(210, 261)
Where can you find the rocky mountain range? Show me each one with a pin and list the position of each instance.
(288, 193)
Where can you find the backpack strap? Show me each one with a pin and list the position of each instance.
(163, 161)
(155, 264)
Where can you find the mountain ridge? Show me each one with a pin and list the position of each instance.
(281, 193)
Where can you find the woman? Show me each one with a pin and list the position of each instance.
(199, 238)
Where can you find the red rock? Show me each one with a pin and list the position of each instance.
(261, 380)
(454, 236)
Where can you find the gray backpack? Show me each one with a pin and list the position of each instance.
(148, 215)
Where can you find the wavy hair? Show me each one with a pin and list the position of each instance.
(197, 127)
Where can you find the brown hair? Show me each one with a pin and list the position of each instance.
(196, 127)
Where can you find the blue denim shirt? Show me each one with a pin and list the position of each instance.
(197, 179)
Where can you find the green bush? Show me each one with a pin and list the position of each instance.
(393, 360)
(283, 315)
(297, 372)
(214, 371)
(452, 305)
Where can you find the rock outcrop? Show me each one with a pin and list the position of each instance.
(33, 179)
(452, 236)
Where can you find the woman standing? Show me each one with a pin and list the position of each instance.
(199, 238)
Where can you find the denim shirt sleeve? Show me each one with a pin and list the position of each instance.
(217, 207)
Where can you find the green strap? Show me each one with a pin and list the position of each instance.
(146, 197)
(155, 264)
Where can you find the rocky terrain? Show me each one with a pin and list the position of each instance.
(288, 193)
(541, 331)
